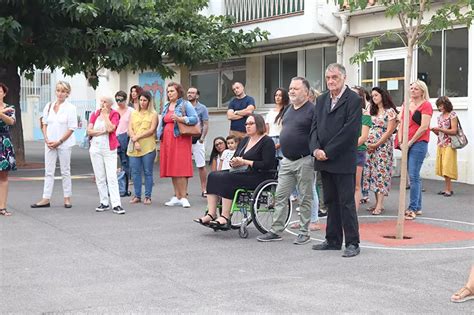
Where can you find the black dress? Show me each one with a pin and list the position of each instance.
(225, 183)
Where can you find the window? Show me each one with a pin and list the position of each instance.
(316, 62)
(445, 70)
(279, 70)
(385, 42)
(214, 81)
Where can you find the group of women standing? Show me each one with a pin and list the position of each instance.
(129, 132)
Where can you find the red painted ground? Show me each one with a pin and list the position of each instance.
(420, 233)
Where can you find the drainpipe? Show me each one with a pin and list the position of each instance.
(341, 35)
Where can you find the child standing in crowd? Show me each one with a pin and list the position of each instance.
(226, 156)
(219, 145)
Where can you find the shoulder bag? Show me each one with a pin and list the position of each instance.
(459, 140)
(189, 130)
(41, 118)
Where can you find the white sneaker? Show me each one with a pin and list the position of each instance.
(173, 202)
(185, 203)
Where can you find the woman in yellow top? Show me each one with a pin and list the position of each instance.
(142, 146)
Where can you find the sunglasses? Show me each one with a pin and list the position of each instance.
(119, 100)
(250, 123)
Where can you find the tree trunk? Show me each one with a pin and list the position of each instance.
(9, 76)
(404, 144)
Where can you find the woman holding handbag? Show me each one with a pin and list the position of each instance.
(446, 156)
(58, 124)
(175, 147)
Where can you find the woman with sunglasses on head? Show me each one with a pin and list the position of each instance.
(218, 147)
(122, 133)
(134, 100)
(420, 112)
(253, 162)
(378, 167)
(7, 154)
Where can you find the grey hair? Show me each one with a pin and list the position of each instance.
(304, 81)
(337, 66)
(109, 99)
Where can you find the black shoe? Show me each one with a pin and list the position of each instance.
(216, 225)
(351, 251)
(269, 237)
(325, 246)
(102, 207)
(118, 210)
(322, 214)
(46, 205)
(67, 205)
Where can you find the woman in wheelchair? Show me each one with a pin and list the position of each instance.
(253, 162)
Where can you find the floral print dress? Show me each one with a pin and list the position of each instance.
(377, 175)
(7, 154)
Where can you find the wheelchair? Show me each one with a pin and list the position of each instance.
(256, 206)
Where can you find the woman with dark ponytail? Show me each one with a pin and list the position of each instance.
(274, 117)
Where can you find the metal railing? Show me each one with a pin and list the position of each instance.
(39, 86)
(252, 11)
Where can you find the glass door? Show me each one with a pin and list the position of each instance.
(386, 70)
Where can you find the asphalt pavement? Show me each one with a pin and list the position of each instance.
(155, 259)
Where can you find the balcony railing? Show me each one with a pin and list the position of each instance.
(252, 11)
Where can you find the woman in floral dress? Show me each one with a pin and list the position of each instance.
(378, 167)
(7, 155)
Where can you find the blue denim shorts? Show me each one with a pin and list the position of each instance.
(361, 157)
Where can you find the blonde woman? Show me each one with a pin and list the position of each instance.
(142, 146)
(59, 122)
(420, 111)
(103, 152)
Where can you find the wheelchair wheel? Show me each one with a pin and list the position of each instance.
(263, 206)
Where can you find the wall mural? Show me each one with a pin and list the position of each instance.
(153, 82)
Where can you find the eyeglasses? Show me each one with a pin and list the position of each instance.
(219, 143)
(119, 100)
(250, 123)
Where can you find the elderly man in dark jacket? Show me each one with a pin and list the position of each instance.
(334, 134)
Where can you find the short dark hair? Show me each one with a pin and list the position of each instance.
(197, 90)
(444, 100)
(179, 88)
(304, 81)
(259, 123)
(4, 87)
(121, 94)
(363, 93)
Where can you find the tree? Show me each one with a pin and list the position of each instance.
(85, 36)
(417, 30)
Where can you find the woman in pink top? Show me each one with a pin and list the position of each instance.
(103, 152)
(418, 138)
(122, 134)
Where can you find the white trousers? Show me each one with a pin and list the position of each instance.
(104, 163)
(50, 158)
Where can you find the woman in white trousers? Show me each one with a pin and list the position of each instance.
(103, 152)
(59, 121)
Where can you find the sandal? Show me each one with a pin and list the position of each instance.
(464, 294)
(370, 209)
(448, 194)
(410, 216)
(200, 221)
(314, 227)
(135, 199)
(147, 201)
(295, 226)
(5, 212)
(216, 225)
(419, 212)
(364, 200)
(378, 211)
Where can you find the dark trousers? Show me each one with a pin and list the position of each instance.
(342, 216)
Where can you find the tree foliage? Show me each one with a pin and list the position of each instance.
(84, 36)
(413, 23)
